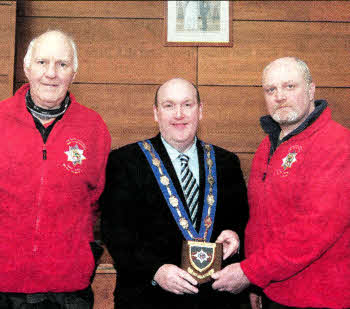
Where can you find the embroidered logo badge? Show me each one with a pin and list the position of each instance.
(289, 160)
(75, 155)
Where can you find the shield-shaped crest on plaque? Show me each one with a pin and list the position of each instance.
(202, 255)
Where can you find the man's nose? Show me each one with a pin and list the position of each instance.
(51, 70)
(179, 111)
(280, 94)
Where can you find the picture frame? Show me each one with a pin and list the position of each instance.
(198, 23)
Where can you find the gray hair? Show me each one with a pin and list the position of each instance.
(28, 56)
(302, 66)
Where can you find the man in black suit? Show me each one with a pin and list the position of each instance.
(146, 215)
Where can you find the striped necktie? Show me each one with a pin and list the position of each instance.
(189, 187)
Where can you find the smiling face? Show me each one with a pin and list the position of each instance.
(289, 97)
(178, 113)
(50, 71)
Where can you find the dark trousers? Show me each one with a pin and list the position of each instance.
(83, 299)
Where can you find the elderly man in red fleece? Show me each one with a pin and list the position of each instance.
(52, 163)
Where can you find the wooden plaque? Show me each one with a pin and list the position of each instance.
(201, 259)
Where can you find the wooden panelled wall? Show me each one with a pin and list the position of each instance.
(7, 47)
(122, 60)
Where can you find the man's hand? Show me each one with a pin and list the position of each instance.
(231, 279)
(230, 242)
(175, 280)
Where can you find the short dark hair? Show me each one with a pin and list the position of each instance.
(195, 87)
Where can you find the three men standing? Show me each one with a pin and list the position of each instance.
(166, 189)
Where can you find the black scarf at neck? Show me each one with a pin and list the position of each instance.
(45, 114)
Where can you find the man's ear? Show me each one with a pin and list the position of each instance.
(312, 90)
(201, 110)
(26, 70)
(155, 113)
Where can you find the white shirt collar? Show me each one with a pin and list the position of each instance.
(174, 153)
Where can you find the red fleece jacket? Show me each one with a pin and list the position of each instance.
(298, 235)
(47, 204)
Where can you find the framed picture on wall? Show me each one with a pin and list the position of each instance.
(198, 23)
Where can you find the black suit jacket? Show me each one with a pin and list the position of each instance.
(141, 234)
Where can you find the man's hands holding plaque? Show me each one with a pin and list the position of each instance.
(231, 279)
(178, 281)
(230, 242)
(175, 280)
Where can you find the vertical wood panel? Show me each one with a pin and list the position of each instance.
(126, 109)
(324, 46)
(5, 87)
(242, 10)
(105, 9)
(292, 10)
(103, 287)
(338, 100)
(114, 50)
(7, 47)
(246, 162)
(231, 117)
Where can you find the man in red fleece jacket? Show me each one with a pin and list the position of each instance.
(298, 236)
(52, 162)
